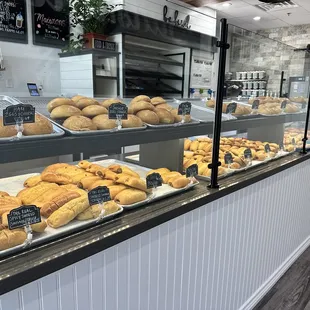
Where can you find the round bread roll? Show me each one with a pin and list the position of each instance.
(103, 122)
(7, 131)
(77, 98)
(158, 100)
(85, 102)
(59, 102)
(93, 110)
(165, 117)
(141, 105)
(65, 111)
(164, 106)
(106, 103)
(132, 121)
(141, 98)
(149, 117)
(42, 126)
(79, 123)
(178, 118)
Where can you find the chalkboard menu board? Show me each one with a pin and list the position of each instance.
(50, 22)
(13, 22)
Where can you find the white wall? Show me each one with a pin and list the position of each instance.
(29, 63)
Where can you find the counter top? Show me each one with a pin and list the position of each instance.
(42, 260)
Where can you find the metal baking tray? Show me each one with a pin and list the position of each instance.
(6, 101)
(193, 122)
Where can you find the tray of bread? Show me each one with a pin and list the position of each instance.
(61, 193)
(42, 128)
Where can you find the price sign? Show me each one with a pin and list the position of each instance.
(154, 180)
(23, 216)
(18, 113)
(118, 111)
(98, 195)
(185, 108)
(267, 148)
(192, 171)
(231, 108)
(247, 154)
(283, 104)
(293, 141)
(255, 104)
(228, 159)
(303, 106)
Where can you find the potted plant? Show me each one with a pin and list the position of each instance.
(92, 16)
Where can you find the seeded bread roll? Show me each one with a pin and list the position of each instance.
(165, 117)
(59, 102)
(103, 122)
(76, 98)
(141, 98)
(94, 110)
(141, 105)
(79, 123)
(42, 126)
(7, 131)
(158, 100)
(65, 111)
(106, 103)
(148, 117)
(85, 102)
(132, 122)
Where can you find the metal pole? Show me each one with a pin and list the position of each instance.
(304, 140)
(281, 84)
(222, 44)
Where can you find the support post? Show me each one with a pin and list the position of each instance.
(305, 139)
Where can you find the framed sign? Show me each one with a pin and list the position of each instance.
(13, 21)
(50, 22)
(201, 72)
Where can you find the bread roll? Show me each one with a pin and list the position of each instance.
(5, 200)
(116, 189)
(179, 182)
(42, 126)
(68, 212)
(39, 227)
(100, 183)
(93, 110)
(106, 103)
(164, 106)
(11, 238)
(130, 196)
(94, 211)
(57, 102)
(79, 123)
(148, 117)
(165, 117)
(141, 105)
(84, 164)
(103, 122)
(134, 183)
(141, 98)
(178, 118)
(85, 102)
(7, 131)
(158, 100)
(65, 111)
(76, 98)
(33, 181)
(132, 122)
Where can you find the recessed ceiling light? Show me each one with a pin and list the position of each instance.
(227, 4)
(257, 18)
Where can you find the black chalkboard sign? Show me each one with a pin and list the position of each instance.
(13, 21)
(192, 171)
(104, 45)
(267, 148)
(247, 153)
(98, 195)
(255, 104)
(293, 141)
(283, 104)
(303, 106)
(18, 113)
(50, 22)
(185, 108)
(23, 216)
(118, 110)
(154, 180)
(228, 159)
(231, 108)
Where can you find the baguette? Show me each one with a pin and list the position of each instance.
(68, 212)
(11, 238)
(130, 196)
(33, 181)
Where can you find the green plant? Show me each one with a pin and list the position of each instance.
(91, 15)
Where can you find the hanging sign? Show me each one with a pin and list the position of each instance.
(23, 216)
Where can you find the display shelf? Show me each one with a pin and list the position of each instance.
(106, 77)
(132, 74)
(161, 60)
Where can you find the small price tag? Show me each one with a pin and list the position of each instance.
(192, 171)
(118, 111)
(284, 104)
(293, 141)
(99, 195)
(303, 106)
(185, 108)
(255, 104)
(24, 216)
(154, 180)
(267, 148)
(23, 113)
(228, 159)
(231, 108)
(248, 154)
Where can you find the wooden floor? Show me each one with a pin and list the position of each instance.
(292, 291)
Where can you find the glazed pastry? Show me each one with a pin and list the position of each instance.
(33, 181)
(79, 123)
(65, 111)
(11, 238)
(130, 196)
(57, 102)
(85, 102)
(148, 117)
(179, 182)
(103, 122)
(94, 110)
(42, 126)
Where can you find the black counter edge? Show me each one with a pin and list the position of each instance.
(27, 276)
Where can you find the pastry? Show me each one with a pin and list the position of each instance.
(39, 227)
(141, 105)
(79, 123)
(94, 211)
(107, 174)
(57, 102)
(56, 178)
(74, 188)
(11, 238)
(7, 200)
(65, 111)
(116, 189)
(33, 181)
(158, 100)
(194, 146)
(78, 177)
(68, 212)
(210, 103)
(202, 167)
(159, 170)
(133, 182)
(132, 122)
(54, 167)
(148, 117)
(178, 118)
(115, 168)
(103, 122)
(106, 103)
(3, 194)
(165, 117)
(130, 172)
(130, 196)
(167, 176)
(100, 183)
(77, 98)
(84, 164)
(42, 126)
(85, 102)
(187, 144)
(291, 108)
(179, 182)
(87, 182)
(93, 110)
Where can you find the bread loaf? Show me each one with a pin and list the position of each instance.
(11, 238)
(94, 110)
(85, 102)
(164, 106)
(130, 196)
(148, 117)
(87, 182)
(57, 102)
(65, 111)
(79, 123)
(94, 211)
(103, 122)
(42, 126)
(132, 122)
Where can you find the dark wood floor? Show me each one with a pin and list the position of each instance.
(292, 291)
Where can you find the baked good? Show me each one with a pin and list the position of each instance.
(85, 102)
(178, 118)
(134, 183)
(100, 183)
(129, 171)
(11, 238)
(159, 170)
(57, 102)
(79, 123)
(77, 98)
(179, 182)
(87, 182)
(130, 196)
(291, 108)
(187, 144)
(158, 100)
(106, 103)
(106, 174)
(42, 126)
(3, 194)
(141, 98)
(148, 117)
(5, 200)
(84, 164)
(54, 167)
(115, 168)
(164, 106)
(210, 103)
(39, 227)
(7, 131)
(167, 176)
(68, 212)
(33, 181)
(141, 105)
(165, 117)
(65, 111)
(93, 110)
(94, 211)
(103, 122)
(116, 189)
(132, 122)
(56, 178)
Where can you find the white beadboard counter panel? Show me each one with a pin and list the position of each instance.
(221, 256)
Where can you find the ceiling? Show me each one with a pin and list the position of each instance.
(241, 12)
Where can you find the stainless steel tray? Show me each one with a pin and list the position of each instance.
(193, 122)
(6, 101)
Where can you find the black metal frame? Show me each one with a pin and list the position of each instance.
(305, 139)
(281, 83)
